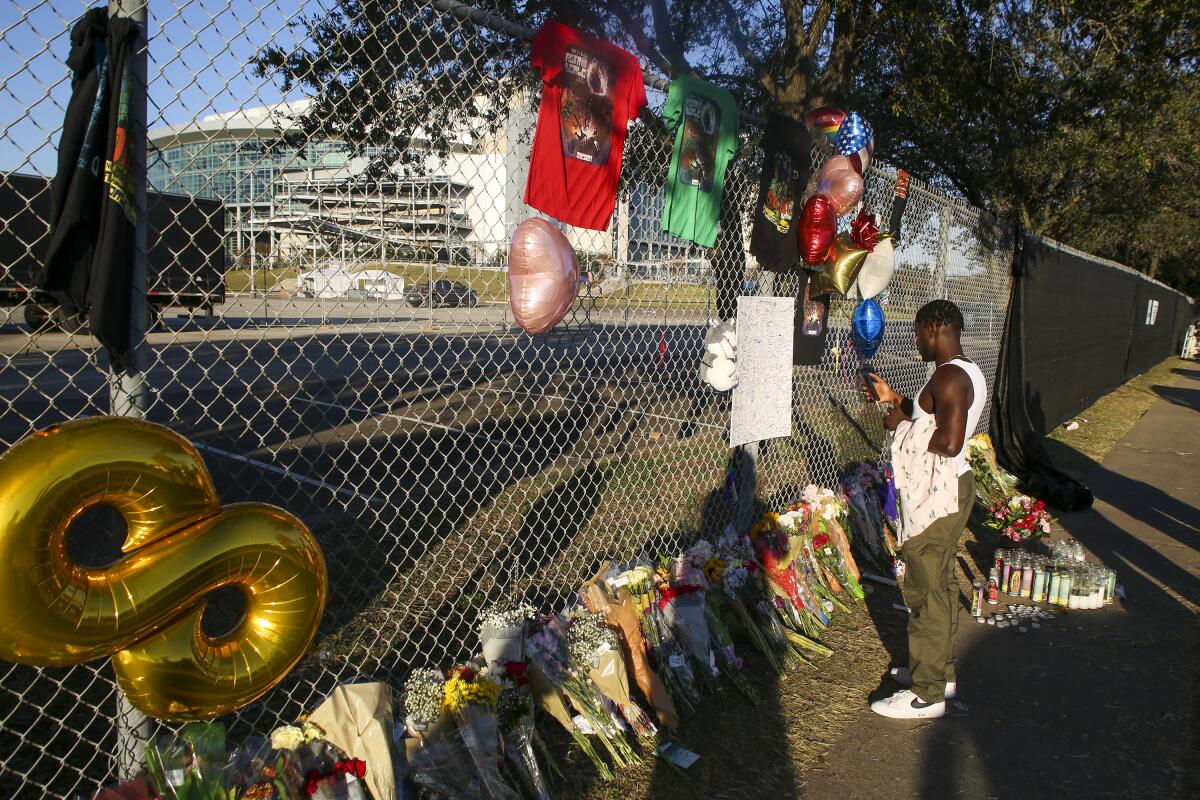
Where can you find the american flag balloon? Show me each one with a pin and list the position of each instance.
(856, 141)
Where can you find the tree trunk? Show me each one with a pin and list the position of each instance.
(838, 76)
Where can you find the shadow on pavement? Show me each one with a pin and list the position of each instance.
(1095, 704)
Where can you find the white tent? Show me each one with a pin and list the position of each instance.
(379, 283)
(326, 283)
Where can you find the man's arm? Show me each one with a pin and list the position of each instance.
(952, 396)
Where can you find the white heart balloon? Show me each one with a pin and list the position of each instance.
(877, 269)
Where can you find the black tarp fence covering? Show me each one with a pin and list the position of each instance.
(1077, 327)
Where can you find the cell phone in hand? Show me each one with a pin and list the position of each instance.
(868, 383)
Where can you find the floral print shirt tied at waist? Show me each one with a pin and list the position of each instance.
(926, 482)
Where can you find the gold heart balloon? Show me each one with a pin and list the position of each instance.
(145, 609)
(847, 256)
(838, 272)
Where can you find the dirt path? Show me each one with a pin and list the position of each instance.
(1099, 703)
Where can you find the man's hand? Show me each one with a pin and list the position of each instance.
(876, 388)
(894, 417)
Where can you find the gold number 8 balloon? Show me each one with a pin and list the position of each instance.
(144, 610)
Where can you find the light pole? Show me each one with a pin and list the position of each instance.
(128, 395)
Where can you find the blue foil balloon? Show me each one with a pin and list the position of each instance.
(867, 327)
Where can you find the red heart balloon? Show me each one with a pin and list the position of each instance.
(818, 227)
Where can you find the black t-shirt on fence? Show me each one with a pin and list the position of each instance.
(786, 169)
(811, 326)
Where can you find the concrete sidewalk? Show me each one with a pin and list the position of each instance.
(1099, 703)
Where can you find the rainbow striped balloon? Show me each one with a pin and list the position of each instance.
(825, 121)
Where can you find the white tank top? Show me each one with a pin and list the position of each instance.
(978, 400)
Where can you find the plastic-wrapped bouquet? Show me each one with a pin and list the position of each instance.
(608, 593)
(189, 765)
(594, 646)
(646, 586)
(470, 695)
(550, 655)
(1020, 517)
(514, 710)
(437, 759)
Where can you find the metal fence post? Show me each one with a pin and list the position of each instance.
(128, 392)
(945, 217)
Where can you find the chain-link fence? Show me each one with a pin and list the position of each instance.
(338, 341)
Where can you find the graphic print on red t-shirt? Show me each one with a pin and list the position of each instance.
(587, 106)
(590, 91)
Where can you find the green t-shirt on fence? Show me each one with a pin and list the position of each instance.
(705, 120)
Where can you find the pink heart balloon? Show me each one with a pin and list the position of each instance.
(841, 183)
(543, 278)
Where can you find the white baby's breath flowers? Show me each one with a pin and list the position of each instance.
(423, 696)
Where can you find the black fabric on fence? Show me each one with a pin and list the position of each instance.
(1076, 329)
(1157, 327)
(89, 261)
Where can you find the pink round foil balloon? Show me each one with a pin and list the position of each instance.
(841, 183)
(543, 278)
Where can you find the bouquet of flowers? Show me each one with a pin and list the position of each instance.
(863, 483)
(593, 644)
(780, 551)
(340, 780)
(722, 646)
(502, 633)
(437, 760)
(828, 512)
(550, 654)
(470, 695)
(189, 765)
(514, 710)
(831, 559)
(682, 604)
(992, 483)
(731, 570)
(1020, 518)
(608, 592)
(674, 667)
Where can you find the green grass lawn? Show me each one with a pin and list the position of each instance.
(492, 286)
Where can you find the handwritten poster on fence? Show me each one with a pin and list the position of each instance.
(762, 399)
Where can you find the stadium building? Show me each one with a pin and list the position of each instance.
(301, 204)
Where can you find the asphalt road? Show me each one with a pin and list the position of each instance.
(314, 404)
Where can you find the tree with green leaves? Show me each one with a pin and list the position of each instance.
(1073, 119)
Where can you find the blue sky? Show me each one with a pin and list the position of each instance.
(199, 53)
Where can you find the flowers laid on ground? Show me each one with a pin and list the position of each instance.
(650, 635)
(1016, 516)
(871, 513)
(296, 761)
(992, 483)
(1020, 518)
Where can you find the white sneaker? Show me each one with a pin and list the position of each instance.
(902, 676)
(906, 705)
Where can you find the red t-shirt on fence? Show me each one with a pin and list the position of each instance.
(591, 89)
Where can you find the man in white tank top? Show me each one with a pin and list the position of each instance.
(955, 395)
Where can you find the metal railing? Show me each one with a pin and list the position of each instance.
(442, 457)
